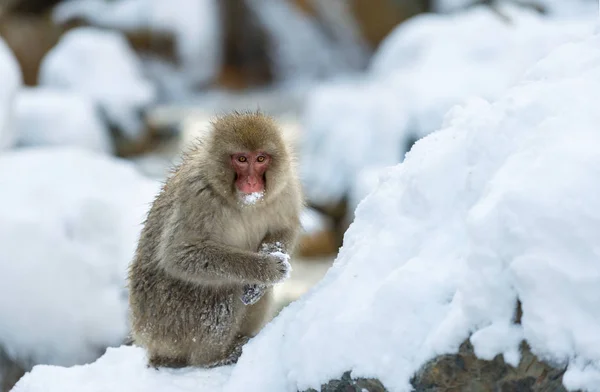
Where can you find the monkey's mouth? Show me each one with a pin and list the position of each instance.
(250, 184)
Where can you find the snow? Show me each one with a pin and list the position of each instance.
(554, 8)
(252, 198)
(53, 117)
(69, 221)
(301, 48)
(195, 24)
(100, 65)
(500, 204)
(123, 370)
(11, 82)
(422, 69)
(312, 221)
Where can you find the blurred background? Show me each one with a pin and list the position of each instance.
(98, 98)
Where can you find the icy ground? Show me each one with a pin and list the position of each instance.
(500, 204)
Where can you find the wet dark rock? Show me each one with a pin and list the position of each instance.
(464, 372)
(347, 384)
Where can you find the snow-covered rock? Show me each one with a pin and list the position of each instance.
(101, 65)
(195, 24)
(11, 82)
(69, 222)
(53, 117)
(422, 69)
(501, 204)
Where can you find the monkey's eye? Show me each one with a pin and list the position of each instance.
(260, 159)
(242, 159)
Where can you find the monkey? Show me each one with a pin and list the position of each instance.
(216, 239)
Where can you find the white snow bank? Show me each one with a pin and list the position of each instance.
(123, 370)
(501, 204)
(422, 69)
(100, 65)
(195, 24)
(69, 222)
(553, 8)
(46, 116)
(11, 82)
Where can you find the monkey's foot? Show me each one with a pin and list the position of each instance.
(252, 293)
(157, 361)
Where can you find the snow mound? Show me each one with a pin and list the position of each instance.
(422, 69)
(195, 24)
(46, 116)
(69, 222)
(11, 82)
(100, 65)
(499, 205)
(123, 370)
(554, 8)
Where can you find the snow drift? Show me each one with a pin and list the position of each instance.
(499, 205)
(99, 64)
(421, 70)
(52, 117)
(69, 222)
(11, 82)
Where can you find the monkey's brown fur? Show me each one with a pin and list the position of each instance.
(199, 248)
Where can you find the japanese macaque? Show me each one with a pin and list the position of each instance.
(215, 241)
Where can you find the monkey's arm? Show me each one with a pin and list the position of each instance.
(209, 262)
(282, 240)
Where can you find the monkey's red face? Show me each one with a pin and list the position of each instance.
(250, 168)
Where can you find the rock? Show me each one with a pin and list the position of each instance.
(322, 243)
(30, 6)
(377, 18)
(347, 384)
(10, 372)
(245, 49)
(30, 37)
(11, 82)
(464, 372)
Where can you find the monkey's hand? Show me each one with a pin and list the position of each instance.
(271, 247)
(252, 293)
(282, 265)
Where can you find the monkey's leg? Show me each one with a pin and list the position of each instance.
(166, 355)
(157, 361)
(234, 354)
